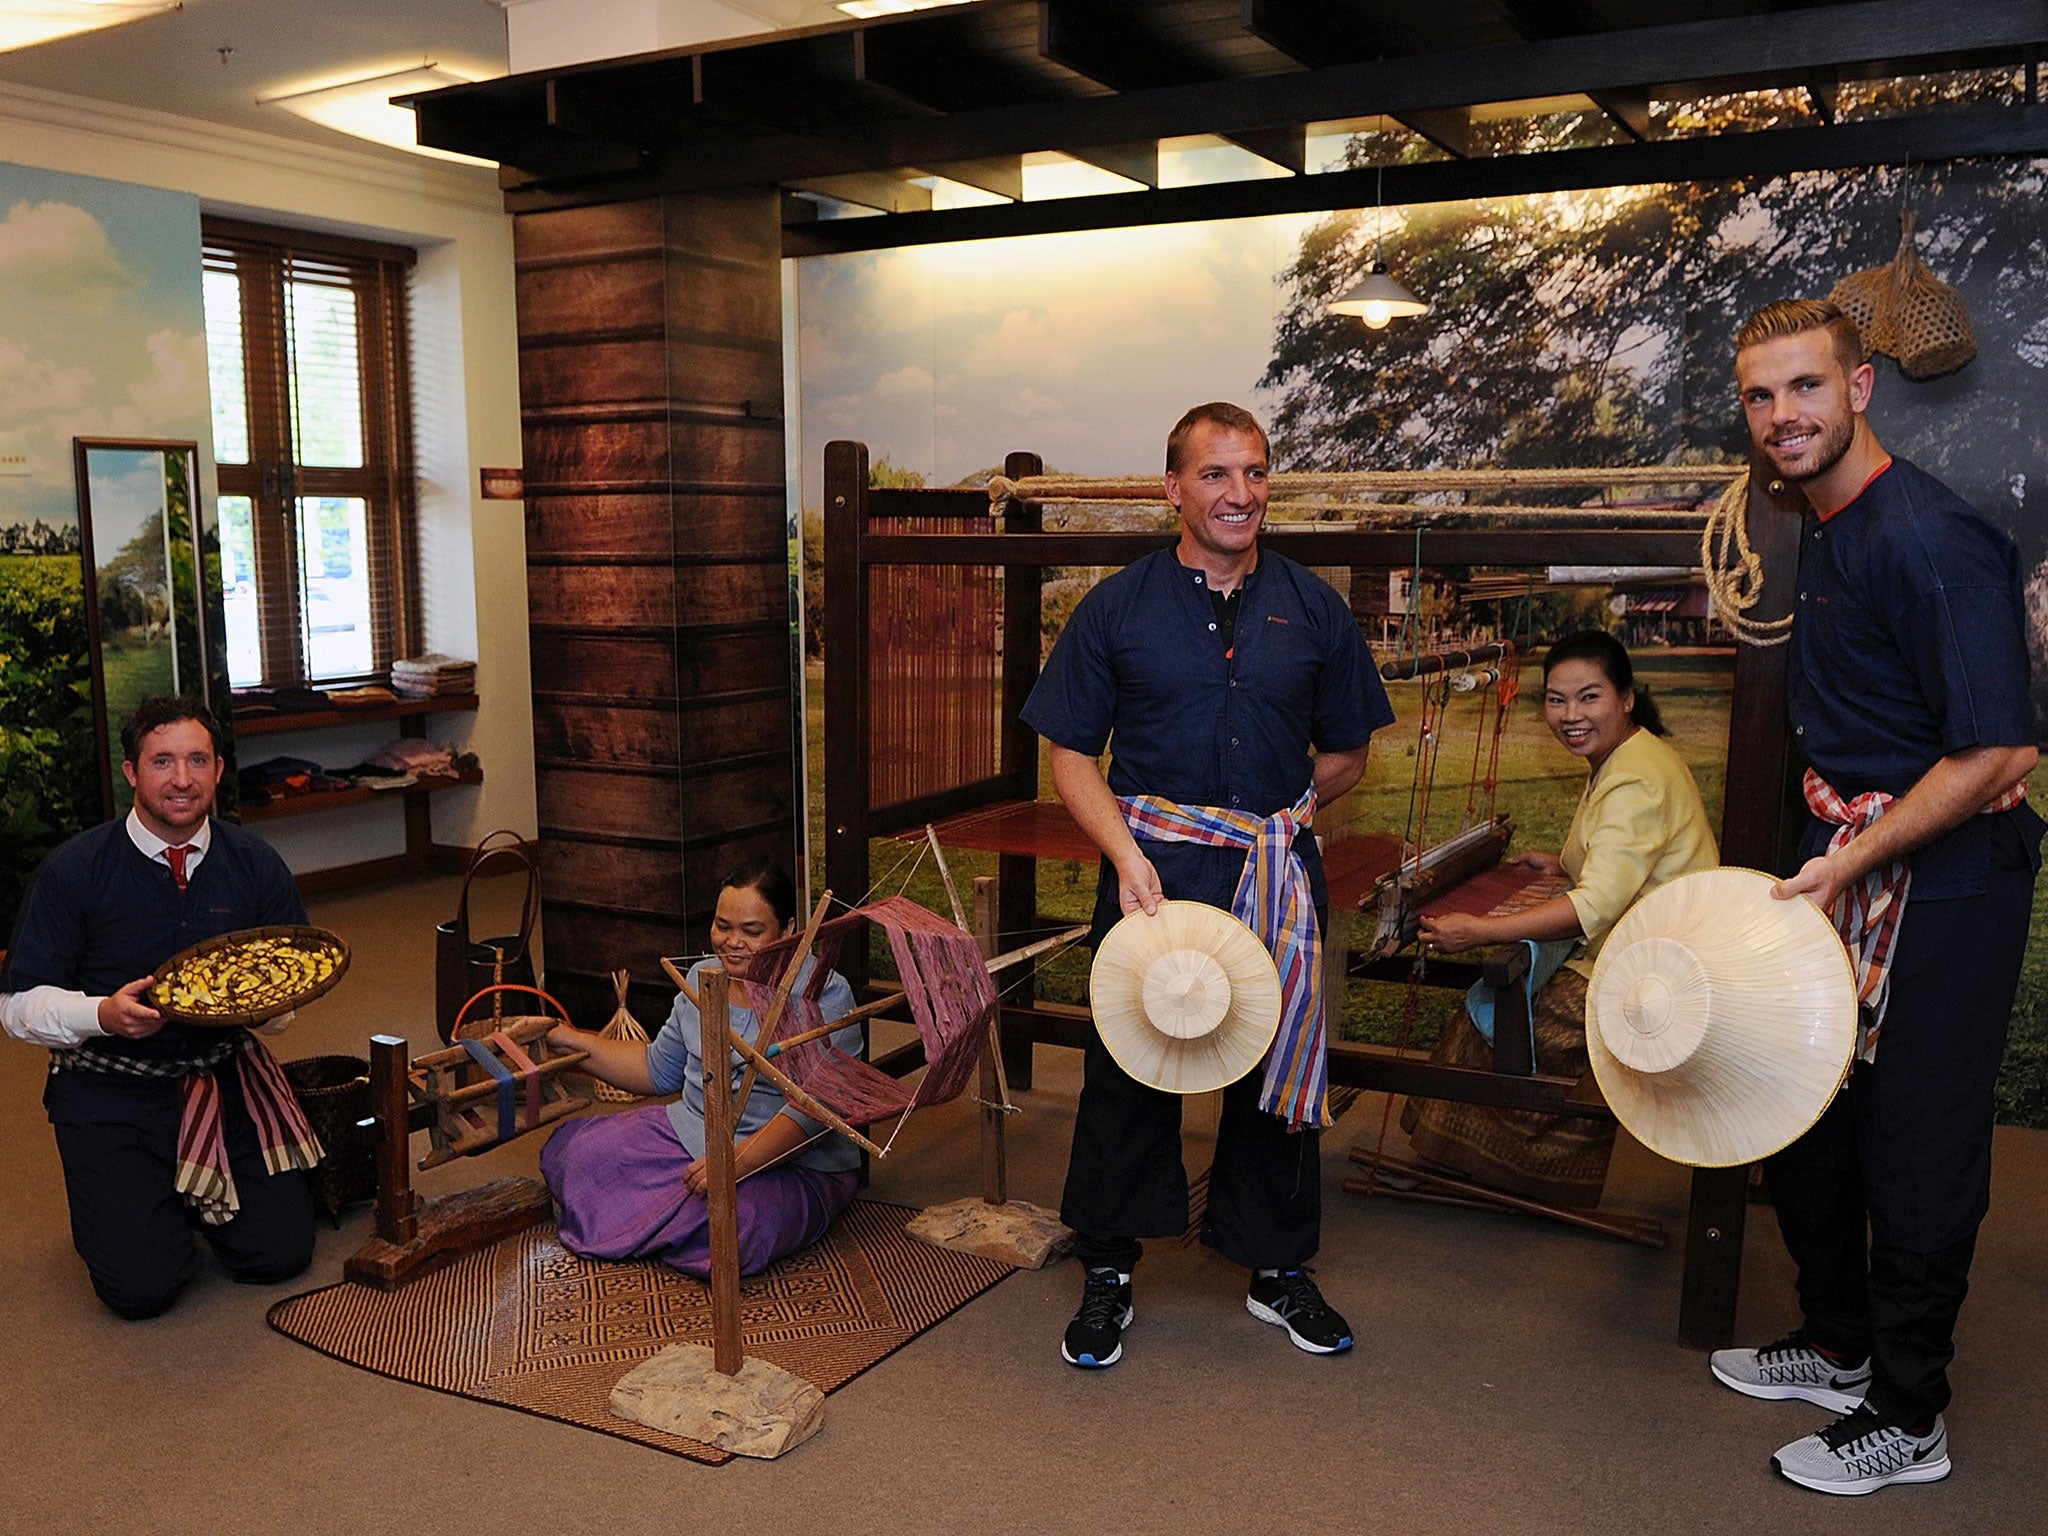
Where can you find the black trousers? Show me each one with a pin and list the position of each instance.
(135, 1232)
(1880, 1202)
(1126, 1180)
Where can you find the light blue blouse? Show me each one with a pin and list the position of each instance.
(675, 1062)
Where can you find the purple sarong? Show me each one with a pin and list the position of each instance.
(619, 1179)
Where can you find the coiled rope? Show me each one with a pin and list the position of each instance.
(1733, 572)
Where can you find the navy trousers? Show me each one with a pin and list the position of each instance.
(135, 1232)
(1880, 1202)
(1126, 1180)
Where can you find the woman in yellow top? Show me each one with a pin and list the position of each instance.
(1639, 824)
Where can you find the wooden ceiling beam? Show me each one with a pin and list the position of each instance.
(1284, 147)
(1965, 134)
(1899, 36)
(1316, 33)
(1003, 176)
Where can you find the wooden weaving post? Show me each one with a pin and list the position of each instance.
(415, 1237)
(397, 1205)
(995, 1170)
(993, 1224)
(718, 1395)
(721, 1186)
(1759, 828)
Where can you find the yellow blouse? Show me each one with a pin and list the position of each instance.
(1639, 824)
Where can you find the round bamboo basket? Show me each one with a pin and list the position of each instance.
(270, 1005)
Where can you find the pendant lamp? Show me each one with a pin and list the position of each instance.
(1376, 298)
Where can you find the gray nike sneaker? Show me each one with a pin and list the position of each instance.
(1860, 1453)
(1792, 1368)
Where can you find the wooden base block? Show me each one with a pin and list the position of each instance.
(761, 1412)
(451, 1226)
(1020, 1233)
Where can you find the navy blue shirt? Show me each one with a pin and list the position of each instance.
(1143, 670)
(1909, 644)
(100, 913)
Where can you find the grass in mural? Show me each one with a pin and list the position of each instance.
(1539, 786)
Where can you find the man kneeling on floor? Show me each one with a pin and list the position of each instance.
(1239, 696)
(163, 1131)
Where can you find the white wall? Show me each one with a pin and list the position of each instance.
(466, 407)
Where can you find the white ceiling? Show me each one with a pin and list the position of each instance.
(174, 62)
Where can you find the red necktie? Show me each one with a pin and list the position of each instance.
(177, 857)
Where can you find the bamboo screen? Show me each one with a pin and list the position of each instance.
(934, 669)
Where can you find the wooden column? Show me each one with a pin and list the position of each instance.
(1023, 601)
(846, 709)
(650, 347)
(1760, 822)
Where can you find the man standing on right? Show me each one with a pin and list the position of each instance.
(1909, 697)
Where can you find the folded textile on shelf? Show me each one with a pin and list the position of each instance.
(433, 675)
(413, 754)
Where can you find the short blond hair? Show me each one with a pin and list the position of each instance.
(1220, 413)
(1794, 317)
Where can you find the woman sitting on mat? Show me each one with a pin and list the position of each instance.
(632, 1185)
(1639, 824)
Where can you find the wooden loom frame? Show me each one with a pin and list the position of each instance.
(1759, 821)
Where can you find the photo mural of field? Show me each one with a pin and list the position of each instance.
(102, 335)
(1570, 329)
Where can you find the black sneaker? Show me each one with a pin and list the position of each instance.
(1290, 1300)
(1095, 1337)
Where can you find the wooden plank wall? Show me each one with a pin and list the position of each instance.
(650, 370)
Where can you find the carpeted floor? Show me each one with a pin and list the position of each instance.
(1511, 1377)
(526, 1324)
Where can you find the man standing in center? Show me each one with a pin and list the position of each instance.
(1239, 696)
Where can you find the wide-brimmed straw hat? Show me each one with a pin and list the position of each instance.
(1187, 999)
(1720, 1021)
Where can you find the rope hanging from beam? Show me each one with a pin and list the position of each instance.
(1733, 572)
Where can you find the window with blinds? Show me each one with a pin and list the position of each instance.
(312, 440)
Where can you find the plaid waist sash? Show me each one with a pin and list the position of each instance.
(1273, 901)
(1867, 915)
(203, 1176)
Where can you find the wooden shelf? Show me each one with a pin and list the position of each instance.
(335, 799)
(365, 714)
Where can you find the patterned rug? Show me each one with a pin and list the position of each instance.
(525, 1324)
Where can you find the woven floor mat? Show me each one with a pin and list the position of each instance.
(525, 1324)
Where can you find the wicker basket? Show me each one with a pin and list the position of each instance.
(334, 1091)
(1904, 311)
(1930, 319)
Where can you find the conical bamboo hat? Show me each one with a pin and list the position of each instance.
(1187, 999)
(1720, 1021)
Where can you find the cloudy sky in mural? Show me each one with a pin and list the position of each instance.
(101, 328)
(1084, 347)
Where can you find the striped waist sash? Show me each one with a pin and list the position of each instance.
(1274, 901)
(1868, 912)
(203, 1176)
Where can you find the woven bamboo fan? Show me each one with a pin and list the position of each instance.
(622, 1026)
(1906, 312)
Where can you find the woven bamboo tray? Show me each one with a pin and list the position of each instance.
(267, 1004)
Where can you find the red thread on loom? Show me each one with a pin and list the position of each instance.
(951, 995)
